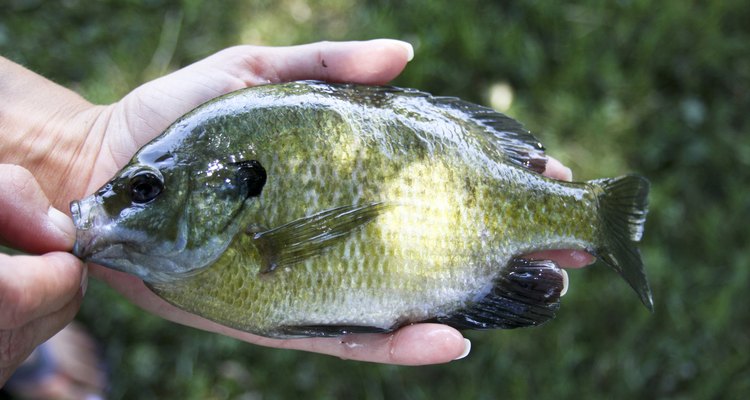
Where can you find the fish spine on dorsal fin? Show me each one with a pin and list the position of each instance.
(507, 135)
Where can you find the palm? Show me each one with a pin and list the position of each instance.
(148, 110)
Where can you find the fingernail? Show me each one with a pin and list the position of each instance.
(409, 49)
(568, 174)
(62, 222)
(467, 349)
(582, 258)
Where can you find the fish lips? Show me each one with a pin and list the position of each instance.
(98, 239)
(81, 212)
(91, 225)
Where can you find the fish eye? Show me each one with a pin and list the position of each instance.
(251, 176)
(145, 186)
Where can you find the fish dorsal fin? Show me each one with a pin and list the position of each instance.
(310, 236)
(504, 134)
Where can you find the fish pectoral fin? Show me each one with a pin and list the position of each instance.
(311, 236)
(526, 293)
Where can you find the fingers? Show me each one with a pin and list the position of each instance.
(27, 221)
(32, 287)
(17, 344)
(556, 170)
(564, 258)
(372, 62)
(38, 297)
(420, 344)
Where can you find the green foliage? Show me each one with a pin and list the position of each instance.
(659, 88)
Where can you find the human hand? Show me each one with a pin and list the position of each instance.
(39, 295)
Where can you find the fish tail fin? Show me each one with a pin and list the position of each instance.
(623, 205)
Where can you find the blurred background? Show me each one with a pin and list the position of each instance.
(657, 88)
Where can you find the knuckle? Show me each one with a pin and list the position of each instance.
(249, 64)
(15, 346)
(17, 177)
(18, 183)
(15, 307)
(258, 66)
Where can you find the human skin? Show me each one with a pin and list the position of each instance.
(57, 147)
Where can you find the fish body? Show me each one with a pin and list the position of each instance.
(314, 209)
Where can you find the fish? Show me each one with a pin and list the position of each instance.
(310, 209)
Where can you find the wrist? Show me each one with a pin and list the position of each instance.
(49, 130)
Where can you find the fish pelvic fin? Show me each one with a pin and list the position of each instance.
(623, 205)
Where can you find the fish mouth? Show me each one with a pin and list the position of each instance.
(75, 211)
(101, 240)
(85, 218)
(82, 226)
(94, 230)
(97, 236)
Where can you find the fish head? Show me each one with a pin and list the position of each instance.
(167, 215)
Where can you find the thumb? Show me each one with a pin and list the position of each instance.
(373, 62)
(27, 220)
(152, 107)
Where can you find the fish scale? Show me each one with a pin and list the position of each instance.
(315, 209)
(418, 263)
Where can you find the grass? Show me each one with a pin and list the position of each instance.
(661, 89)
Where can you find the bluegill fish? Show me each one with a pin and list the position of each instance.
(316, 209)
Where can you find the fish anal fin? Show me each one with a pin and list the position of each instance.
(311, 236)
(526, 293)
